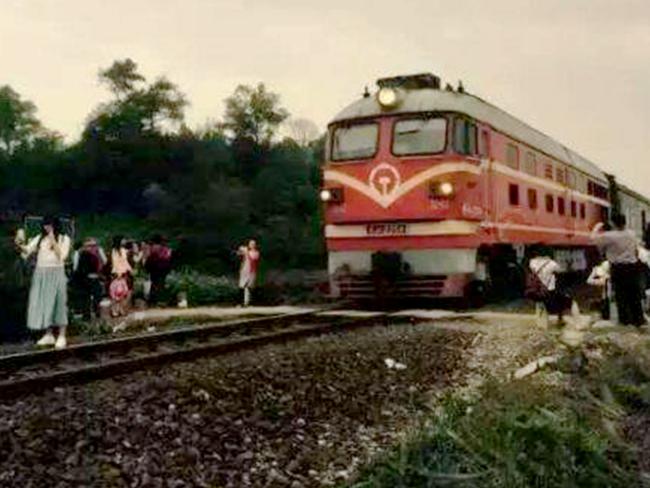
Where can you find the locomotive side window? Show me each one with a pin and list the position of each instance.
(419, 136)
(355, 141)
(532, 198)
(548, 171)
(583, 211)
(560, 205)
(464, 137)
(549, 203)
(513, 192)
(512, 156)
(573, 209)
(571, 179)
(531, 164)
(484, 144)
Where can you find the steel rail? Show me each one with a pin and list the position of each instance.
(107, 369)
(12, 362)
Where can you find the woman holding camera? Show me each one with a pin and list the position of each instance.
(48, 295)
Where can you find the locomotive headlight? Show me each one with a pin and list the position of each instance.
(387, 97)
(332, 195)
(446, 188)
(441, 189)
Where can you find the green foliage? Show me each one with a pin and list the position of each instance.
(137, 109)
(202, 289)
(253, 113)
(18, 122)
(518, 435)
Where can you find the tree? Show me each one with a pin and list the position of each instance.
(18, 123)
(302, 130)
(138, 108)
(253, 113)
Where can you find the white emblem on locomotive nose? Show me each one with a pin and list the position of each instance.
(385, 179)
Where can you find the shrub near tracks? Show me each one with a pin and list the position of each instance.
(270, 417)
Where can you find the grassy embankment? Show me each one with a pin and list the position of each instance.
(554, 429)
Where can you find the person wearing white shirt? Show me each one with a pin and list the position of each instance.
(600, 276)
(545, 269)
(48, 296)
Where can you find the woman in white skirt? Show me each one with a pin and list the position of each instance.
(48, 295)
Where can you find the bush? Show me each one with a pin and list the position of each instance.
(201, 289)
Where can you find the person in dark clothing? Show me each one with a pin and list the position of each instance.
(88, 264)
(621, 250)
(158, 264)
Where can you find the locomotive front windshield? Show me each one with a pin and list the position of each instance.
(356, 141)
(419, 136)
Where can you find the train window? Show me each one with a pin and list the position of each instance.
(573, 209)
(581, 184)
(559, 175)
(548, 171)
(358, 141)
(549, 203)
(530, 166)
(560, 205)
(571, 179)
(583, 211)
(484, 144)
(513, 192)
(464, 137)
(532, 198)
(419, 136)
(512, 156)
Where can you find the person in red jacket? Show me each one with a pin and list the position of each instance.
(250, 258)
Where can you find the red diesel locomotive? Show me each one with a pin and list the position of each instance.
(435, 193)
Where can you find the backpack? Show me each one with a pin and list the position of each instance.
(118, 289)
(534, 288)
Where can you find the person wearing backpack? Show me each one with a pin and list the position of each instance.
(88, 264)
(541, 286)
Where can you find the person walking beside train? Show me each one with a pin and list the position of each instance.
(250, 258)
(620, 248)
(48, 296)
(542, 287)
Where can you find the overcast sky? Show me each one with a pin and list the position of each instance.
(578, 70)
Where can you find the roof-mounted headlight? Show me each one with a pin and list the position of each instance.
(387, 97)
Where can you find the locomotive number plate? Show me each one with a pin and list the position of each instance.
(386, 229)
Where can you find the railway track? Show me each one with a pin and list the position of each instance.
(38, 370)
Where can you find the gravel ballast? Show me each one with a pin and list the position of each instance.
(302, 414)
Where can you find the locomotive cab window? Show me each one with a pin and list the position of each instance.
(358, 141)
(419, 136)
(560, 205)
(464, 137)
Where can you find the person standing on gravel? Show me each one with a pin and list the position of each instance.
(549, 299)
(250, 258)
(620, 248)
(48, 295)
